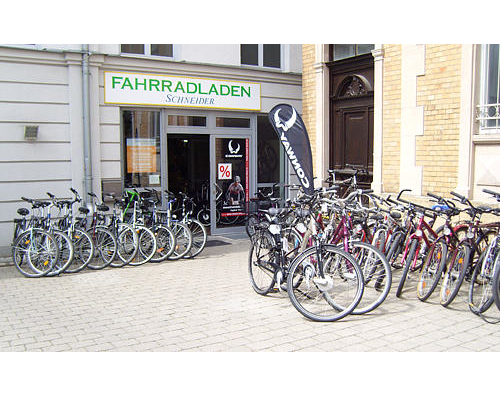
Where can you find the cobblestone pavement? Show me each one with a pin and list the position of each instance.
(207, 304)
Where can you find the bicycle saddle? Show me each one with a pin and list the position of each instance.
(302, 212)
(83, 210)
(395, 215)
(102, 208)
(273, 211)
(377, 216)
(23, 211)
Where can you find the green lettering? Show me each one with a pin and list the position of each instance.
(190, 84)
(127, 83)
(114, 80)
(138, 83)
(166, 84)
(199, 90)
(213, 88)
(154, 84)
(243, 90)
(235, 90)
(222, 90)
(179, 87)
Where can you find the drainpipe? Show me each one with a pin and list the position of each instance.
(87, 158)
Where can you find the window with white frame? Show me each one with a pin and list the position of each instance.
(166, 50)
(488, 111)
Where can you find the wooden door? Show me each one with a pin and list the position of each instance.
(351, 116)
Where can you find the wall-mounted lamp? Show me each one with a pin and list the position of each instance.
(31, 132)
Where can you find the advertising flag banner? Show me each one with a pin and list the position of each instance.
(293, 136)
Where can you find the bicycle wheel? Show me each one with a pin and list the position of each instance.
(408, 260)
(327, 296)
(395, 248)
(481, 286)
(199, 236)
(147, 246)
(432, 269)
(128, 245)
(496, 282)
(35, 252)
(183, 240)
(66, 252)
(261, 261)
(83, 251)
(379, 239)
(455, 274)
(203, 217)
(105, 247)
(165, 243)
(377, 275)
(250, 223)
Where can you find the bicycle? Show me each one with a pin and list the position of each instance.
(484, 284)
(258, 215)
(434, 262)
(82, 241)
(182, 234)
(197, 229)
(148, 245)
(105, 245)
(325, 283)
(34, 251)
(165, 236)
(474, 242)
(376, 270)
(126, 237)
(418, 242)
(271, 252)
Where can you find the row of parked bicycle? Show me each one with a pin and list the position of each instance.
(337, 256)
(50, 239)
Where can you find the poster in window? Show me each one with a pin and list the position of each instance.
(141, 155)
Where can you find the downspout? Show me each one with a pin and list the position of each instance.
(87, 158)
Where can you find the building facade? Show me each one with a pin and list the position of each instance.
(104, 118)
(422, 117)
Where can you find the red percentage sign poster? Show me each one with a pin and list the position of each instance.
(225, 171)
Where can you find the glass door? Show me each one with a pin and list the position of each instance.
(231, 182)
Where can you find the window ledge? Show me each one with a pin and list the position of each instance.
(486, 138)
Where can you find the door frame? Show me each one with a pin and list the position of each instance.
(214, 132)
(252, 176)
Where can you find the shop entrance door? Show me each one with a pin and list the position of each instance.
(231, 184)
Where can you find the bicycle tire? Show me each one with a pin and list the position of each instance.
(262, 254)
(41, 244)
(147, 246)
(251, 221)
(341, 274)
(481, 287)
(66, 253)
(455, 274)
(377, 275)
(199, 238)
(183, 240)
(105, 247)
(395, 248)
(408, 260)
(83, 247)
(165, 243)
(127, 245)
(432, 269)
(496, 282)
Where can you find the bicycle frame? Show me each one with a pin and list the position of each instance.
(419, 235)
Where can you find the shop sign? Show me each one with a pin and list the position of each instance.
(163, 90)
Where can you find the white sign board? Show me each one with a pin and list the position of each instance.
(225, 171)
(163, 90)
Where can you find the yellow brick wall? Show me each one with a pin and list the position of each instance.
(391, 118)
(438, 91)
(309, 96)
